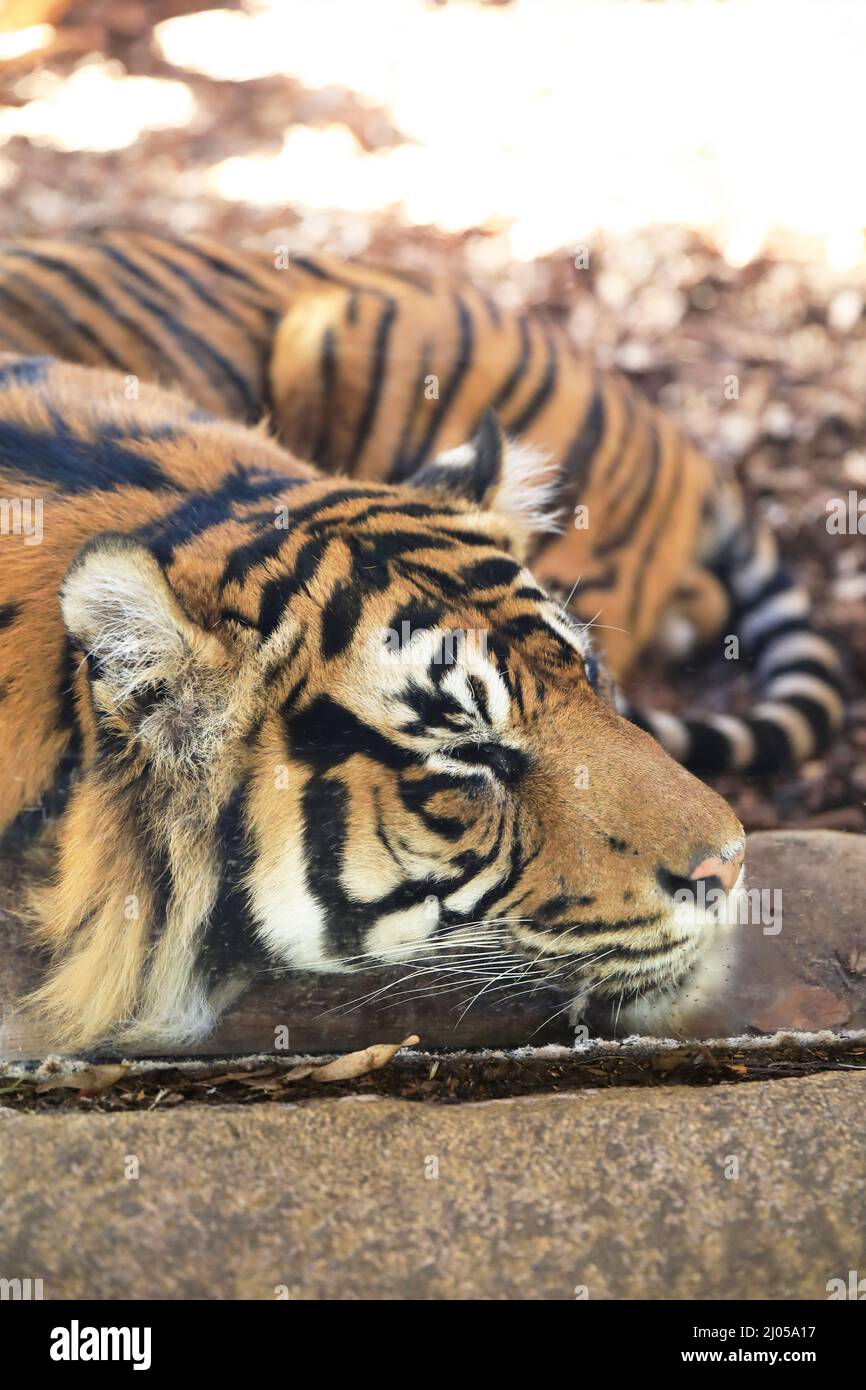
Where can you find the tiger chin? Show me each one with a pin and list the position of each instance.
(281, 720)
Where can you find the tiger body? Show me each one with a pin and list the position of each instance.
(370, 373)
(202, 701)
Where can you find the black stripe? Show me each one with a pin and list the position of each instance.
(461, 364)
(97, 296)
(605, 580)
(403, 461)
(757, 646)
(491, 573)
(515, 376)
(276, 593)
(190, 341)
(816, 716)
(778, 583)
(773, 752)
(228, 269)
(283, 662)
(542, 393)
(325, 734)
(578, 929)
(8, 613)
(335, 498)
(264, 547)
(203, 510)
(340, 618)
(578, 457)
(626, 529)
(649, 550)
(416, 795)
(395, 507)
(239, 562)
(224, 308)
(311, 267)
(230, 939)
(377, 379)
(328, 384)
(30, 822)
(625, 437)
(804, 666)
(709, 749)
(77, 465)
(61, 315)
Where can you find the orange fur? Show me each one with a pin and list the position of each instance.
(254, 769)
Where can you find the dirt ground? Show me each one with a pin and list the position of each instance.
(662, 305)
(446, 1078)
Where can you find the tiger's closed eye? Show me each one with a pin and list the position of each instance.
(599, 678)
(508, 764)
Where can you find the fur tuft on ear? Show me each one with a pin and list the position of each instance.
(119, 608)
(151, 668)
(512, 478)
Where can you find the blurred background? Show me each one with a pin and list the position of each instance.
(679, 181)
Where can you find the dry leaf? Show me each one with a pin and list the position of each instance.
(91, 1080)
(668, 1060)
(352, 1064)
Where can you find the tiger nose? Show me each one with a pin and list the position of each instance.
(726, 870)
(715, 871)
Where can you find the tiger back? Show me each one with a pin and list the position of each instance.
(371, 372)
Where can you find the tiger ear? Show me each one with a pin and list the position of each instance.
(498, 475)
(472, 471)
(152, 670)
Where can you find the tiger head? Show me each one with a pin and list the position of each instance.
(378, 741)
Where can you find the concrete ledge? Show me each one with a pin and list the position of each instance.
(621, 1191)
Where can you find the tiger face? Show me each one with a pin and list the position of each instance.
(386, 743)
(471, 792)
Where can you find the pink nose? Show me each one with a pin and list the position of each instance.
(727, 871)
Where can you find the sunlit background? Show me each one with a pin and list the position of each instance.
(680, 182)
(542, 121)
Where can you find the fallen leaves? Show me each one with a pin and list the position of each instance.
(91, 1081)
(353, 1064)
(458, 1077)
(88, 1080)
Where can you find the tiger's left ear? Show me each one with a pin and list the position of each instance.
(153, 672)
(496, 474)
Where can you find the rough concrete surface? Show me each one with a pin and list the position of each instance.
(622, 1191)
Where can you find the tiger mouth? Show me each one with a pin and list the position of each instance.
(665, 1000)
(662, 974)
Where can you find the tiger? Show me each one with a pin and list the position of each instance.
(369, 372)
(239, 733)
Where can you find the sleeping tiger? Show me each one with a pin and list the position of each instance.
(372, 373)
(234, 710)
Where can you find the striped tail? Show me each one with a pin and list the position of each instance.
(797, 675)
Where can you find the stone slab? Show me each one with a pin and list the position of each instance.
(621, 1192)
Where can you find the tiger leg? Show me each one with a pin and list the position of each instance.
(695, 614)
